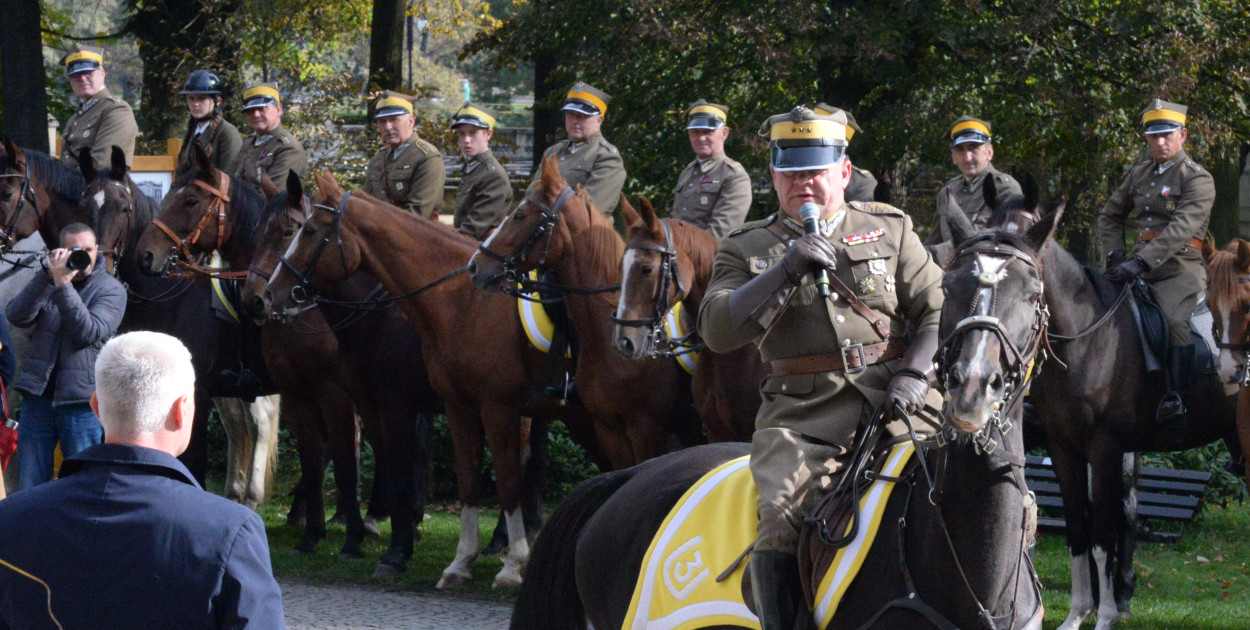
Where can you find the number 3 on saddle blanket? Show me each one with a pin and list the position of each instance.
(691, 576)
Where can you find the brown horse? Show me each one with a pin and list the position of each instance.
(669, 261)
(635, 404)
(479, 358)
(38, 193)
(1228, 298)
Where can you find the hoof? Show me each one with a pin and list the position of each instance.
(507, 578)
(350, 554)
(452, 580)
(371, 526)
(296, 522)
(383, 570)
(306, 549)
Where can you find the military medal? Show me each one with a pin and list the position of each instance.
(399, 185)
(1165, 191)
(889, 284)
(866, 237)
(867, 285)
(876, 266)
(703, 200)
(86, 133)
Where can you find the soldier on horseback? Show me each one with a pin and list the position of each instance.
(1164, 205)
(834, 360)
(271, 151)
(407, 171)
(714, 191)
(207, 127)
(102, 120)
(586, 158)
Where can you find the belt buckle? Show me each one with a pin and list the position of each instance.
(846, 363)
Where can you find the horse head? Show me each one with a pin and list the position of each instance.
(112, 201)
(192, 219)
(284, 215)
(993, 325)
(655, 277)
(1228, 298)
(19, 210)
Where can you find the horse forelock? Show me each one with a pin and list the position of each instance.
(1224, 286)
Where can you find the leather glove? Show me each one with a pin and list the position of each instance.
(808, 253)
(910, 384)
(1114, 259)
(1127, 271)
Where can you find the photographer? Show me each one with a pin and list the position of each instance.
(74, 311)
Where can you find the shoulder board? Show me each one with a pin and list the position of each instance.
(426, 147)
(863, 171)
(754, 225)
(954, 180)
(1003, 177)
(875, 207)
(556, 147)
(1192, 164)
(609, 146)
(733, 164)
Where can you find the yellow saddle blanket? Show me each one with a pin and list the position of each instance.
(706, 533)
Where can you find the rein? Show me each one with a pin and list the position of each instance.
(216, 208)
(662, 346)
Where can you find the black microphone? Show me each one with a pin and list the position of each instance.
(809, 213)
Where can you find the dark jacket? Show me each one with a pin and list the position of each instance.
(127, 539)
(8, 359)
(71, 324)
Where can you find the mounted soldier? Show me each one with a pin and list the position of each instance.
(271, 151)
(863, 184)
(407, 172)
(1164, 205)
(834, 360)
(714, 191)
(586, 158)
(102, 120)
(485, 194)
(206, 126)
(972, 149)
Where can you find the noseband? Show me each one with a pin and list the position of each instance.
(27, 193)
(544, 230)
(215, 208)
(302, 291)
(662, 345)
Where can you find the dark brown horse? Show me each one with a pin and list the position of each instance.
(38, 193)
(669, 261)
(635, 404)
(479, 358)
(1228, 298)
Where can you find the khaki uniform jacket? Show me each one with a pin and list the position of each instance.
(221, 146)
(862, 187)
(1176, 203)
(595, 164)
(276, 154)
(894, 276)
(100, 123)
(714, 195)
(969, 197)
(413, 180)
(484, 196)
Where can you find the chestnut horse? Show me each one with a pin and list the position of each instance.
(635, 404)
(478, 356)
(669, 261)
(1228, 298)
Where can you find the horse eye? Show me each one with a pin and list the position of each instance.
(8, 194)
(648, 269)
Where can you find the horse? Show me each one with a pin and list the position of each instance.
(38, 193)
(952, 547)
(635, 404)
(390, 384)
(479, 359)
(1228, 298)
(669, 261)
(119, 210)
(1097, 405)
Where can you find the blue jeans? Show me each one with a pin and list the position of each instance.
(75, 426)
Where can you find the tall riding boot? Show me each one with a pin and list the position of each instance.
(776, 589)
(1171, 414)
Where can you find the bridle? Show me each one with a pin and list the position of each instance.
(662, 346)
(1242, 346)
(128, 210)
(293, 216)
(26, 193)
(216, 208)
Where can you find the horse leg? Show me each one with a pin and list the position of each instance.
(1073, 474)
(1125, 576)
(267, 432)
(340, 418)
(372, 421)
(310, 442)
(236, 444)
(1243, 431)
(1106, 483)
(405, 453)
(507, 436)
(467, 436)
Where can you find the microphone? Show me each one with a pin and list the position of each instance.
(809, 214)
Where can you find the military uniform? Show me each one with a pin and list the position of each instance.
(594, 163)
(484, 196)
(275, 154)
(714, 194)
(219, 139)
(410, 177)
(99, 124)
(862, 187)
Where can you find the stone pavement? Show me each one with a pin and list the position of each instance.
(356, 607)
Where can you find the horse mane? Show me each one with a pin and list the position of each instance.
(698, 244)
(1223, 288)
(55, 175)
(438, 226)
(248, 206)
(603, 245)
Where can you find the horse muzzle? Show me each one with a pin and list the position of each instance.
(486, 275)
(974, 394)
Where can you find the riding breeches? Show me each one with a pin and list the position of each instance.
(1177, 284)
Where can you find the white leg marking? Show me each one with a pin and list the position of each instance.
(457, 572)
(518, 551)
(1082, 596)
(1108, 613)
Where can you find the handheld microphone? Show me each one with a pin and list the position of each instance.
(809, 213)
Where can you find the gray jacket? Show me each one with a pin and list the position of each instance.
(71, 324)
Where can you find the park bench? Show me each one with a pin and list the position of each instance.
(1164, 495)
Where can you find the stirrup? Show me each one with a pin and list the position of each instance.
(1171, 409)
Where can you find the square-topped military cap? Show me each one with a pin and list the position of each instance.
(84, 58)
(475, 115)
(1161, 116)
(585, 98)
(704, 115)
(260, 94)
(802, 140)
(852, 127)
(969, 129)
(392, 104)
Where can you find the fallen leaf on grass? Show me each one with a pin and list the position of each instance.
(1202, 559)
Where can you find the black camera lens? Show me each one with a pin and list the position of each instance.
(78, 259)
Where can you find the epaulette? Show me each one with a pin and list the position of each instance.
(875, 207)
(1189, 162)
(426, 147)
(863, 171)
(733, 164)
(1003, 177)
(754, 225)
(611, 147)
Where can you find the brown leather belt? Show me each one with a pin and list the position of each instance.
(853, 358)
(1145, 236)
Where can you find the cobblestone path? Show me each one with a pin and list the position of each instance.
(355, 607)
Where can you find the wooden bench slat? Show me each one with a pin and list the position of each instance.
(1172, 487)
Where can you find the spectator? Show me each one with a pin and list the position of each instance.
(127, 538)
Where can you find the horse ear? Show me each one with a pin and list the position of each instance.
(960, 227)
(15, 154)
(117, 166)
(208, 172)
(990, 191)
(632, 219)
(267, 188)
(648, 214)
(1243, 256)
(1031, 192)
(1208, 247)
(87, 165)
(294, 190)
(552, 180)
(1043, 229)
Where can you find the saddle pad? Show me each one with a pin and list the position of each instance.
(534, 319)
(225, 294)
(677, 326)
(706, 532)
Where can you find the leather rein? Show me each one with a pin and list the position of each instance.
(216, 209)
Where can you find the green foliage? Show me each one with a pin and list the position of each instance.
(1212, 458)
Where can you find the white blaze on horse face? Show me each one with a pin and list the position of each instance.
(627, 263)
(98, 198)
(1226, 362)
(987, 266)
(1082, 596)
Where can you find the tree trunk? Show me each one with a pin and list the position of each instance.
(386, 45)
(21, 63)
(547, 118)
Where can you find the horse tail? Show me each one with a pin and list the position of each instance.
(549, 599)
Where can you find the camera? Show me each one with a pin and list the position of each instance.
(78, 259)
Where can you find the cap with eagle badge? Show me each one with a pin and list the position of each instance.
(704, 115)
(392, 104)
(852, 127)
(1161, 116)
(969, 129)
(83, 58)
(585, 98)
(475, 115)
(260, 94)
(802, 140)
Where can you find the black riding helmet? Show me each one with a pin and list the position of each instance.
(202, 82)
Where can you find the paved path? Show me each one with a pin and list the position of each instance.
(355, 607)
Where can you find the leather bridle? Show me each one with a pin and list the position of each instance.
(662, 346)
(543, 230)
(27, 193)
(216, 208)
(302, 291)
